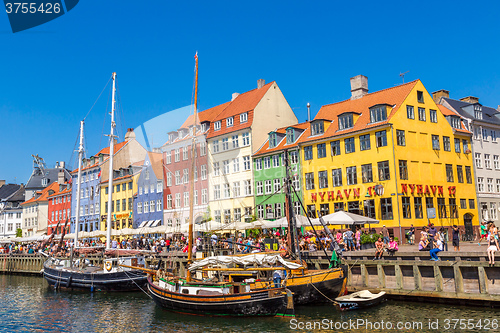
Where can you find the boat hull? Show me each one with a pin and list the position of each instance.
(354, 305)
(267, 302)
(98, 281)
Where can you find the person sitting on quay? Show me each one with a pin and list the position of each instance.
(379, 249)
(484, 233)
(438, 247)
(423, 245)
(493, 243)
(456, 237)
(393, 246)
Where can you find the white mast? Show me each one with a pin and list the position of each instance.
(79, 184)
(111, 153)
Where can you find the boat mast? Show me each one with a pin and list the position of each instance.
(191, 174)
(79, 184)
(111, 153)
(293, 241)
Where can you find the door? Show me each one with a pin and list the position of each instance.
(469, 231)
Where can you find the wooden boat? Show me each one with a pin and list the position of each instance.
(359, 300)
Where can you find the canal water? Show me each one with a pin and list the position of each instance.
(28, 305)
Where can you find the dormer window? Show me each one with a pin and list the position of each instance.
(101, 158)
(478, 112)
(420, 96)
(229, 121)
(272, 140)
(44, 181)
(317, 128)
(378, 113)
(345, 121)
(455, 122)
(203, 127)
(244, 117)
(290, 136)
(217, 125)
(121, 172)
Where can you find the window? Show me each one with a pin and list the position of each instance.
(490, 184)
(294, 157)
(237, 214)
(468, 175)
(455, 122)
(420, 96)
(435, 142)
(335, 145)
(139, 207)
(195, 176)
(345, 121)
(248, 187)
(236, 165)
(177, 155)
(480, 184)
(260, 211)
(308, 153)
(383, 171)
(130, 184)
(296, 182)
(465, 144)
(276, 161)
(235, 140)
(453, 208)
(493, 136)
(229, 122)
(366, 173)
(204, 171)
(386, 207)
(297, 208)
(449, 173)
(421, 114)
(472, 205)
(381, 138)
(268, 186)
(349, 145)
(321, 150)
(290, 135)
(322, 179)
(311, 211)
(151, 188)
(478, 160)
(215, 146)
(317, 128)
(203, 148)
(441, 208)
(117, 206)
(324, 209)
(460, 174)
(246, 139)
(378, 114)
(217, 215)
(364, 142)
(258, 164)
(225, 144)
(446, 143)
(225, 167)
(216, 192)
(433, 116)
(337, 177)
(244, 117)
(168, 157)
(277, 185)
(498, 185)
(236, 189)
(403, 170)
(246, 163)
(152, 206)
(400, 137)
(485, 134)
(410, 113)
(487, 161)
(217, 125)
(457, 145)
(493, 211)
(185, 176)
(429, 202)
(418, 207)
(351, 175)
(463, 203)
(216, 169)
(267, 162)
(204, 196)
(406, 207)
(309, 181)
(496, 162)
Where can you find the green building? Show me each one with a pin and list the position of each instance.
(269, 173)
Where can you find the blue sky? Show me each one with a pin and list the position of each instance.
(52, 74)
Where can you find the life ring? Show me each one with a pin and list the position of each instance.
(108, 265)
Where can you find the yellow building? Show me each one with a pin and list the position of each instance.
(390, 155)
(124, 188)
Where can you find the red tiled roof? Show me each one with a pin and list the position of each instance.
(205, 115)
(448, 112)
(245, 102)
(282, 144)
(66, 190)
(116, 148)
(44, 194)
(157, 164)
(392, 96)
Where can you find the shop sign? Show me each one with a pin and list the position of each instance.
(418, 189)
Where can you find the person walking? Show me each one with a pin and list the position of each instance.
(456, 238)
(358, 238)
(443, 234)
(385, 234)
(349, 237)
(432, 234)
(484, 232)
(412, 235)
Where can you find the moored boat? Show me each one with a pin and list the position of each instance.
(358, 300)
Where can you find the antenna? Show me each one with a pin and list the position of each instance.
(308, 112)
(403, 75)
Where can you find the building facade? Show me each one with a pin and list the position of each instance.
(42, 177)
(36, 212)
(11, 196)
(484, 123)
(389, 155)
(59, 210)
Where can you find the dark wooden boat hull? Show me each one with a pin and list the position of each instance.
(267, 302)
(119, 281)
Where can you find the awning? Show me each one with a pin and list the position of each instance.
(143, 223)
(149, 223)
(156, 223)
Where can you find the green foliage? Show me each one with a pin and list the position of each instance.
(19, 232)
(369, 238)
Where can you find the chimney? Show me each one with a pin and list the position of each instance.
(233, 97)
(2, 182)
(436, 96)
(498, 108)
(60, 177)
(57, 164)
(62, 164)
(470, 99)
(359, 86)
(260, 83)
(130, 134)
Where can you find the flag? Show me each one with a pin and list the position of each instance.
(99, 175)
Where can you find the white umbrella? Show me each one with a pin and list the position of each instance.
(348, 218)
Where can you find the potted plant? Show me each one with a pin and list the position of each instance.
(367, 241)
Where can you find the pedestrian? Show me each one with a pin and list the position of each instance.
(412, 235)
(438, 247)
(456, 238)
(432, 235)
(349, 237)
(358, 238)
(443, 234)
(385, 234)
(484, 232)
(379, 249)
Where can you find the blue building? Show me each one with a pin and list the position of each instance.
(148, 202)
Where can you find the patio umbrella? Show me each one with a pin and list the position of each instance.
(341, 217)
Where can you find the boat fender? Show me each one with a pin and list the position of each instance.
(108, 265)
(68, 283)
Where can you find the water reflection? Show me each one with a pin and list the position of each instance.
(28, 305)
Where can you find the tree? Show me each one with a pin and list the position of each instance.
(19, 232)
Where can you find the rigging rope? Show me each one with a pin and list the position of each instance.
(97, 98)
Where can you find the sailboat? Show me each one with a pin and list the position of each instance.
(215, 298)
(116, 273)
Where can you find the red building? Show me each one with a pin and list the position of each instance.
(59, 213)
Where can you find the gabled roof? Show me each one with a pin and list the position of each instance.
(57, 193)
(447, 112)
(116, 148)
(8, 190)
(44, 194)
(205, 115)
(35, 181)
(156, 160)
(245, 102)
(490, 115)
(282, 144)
(394, 96)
